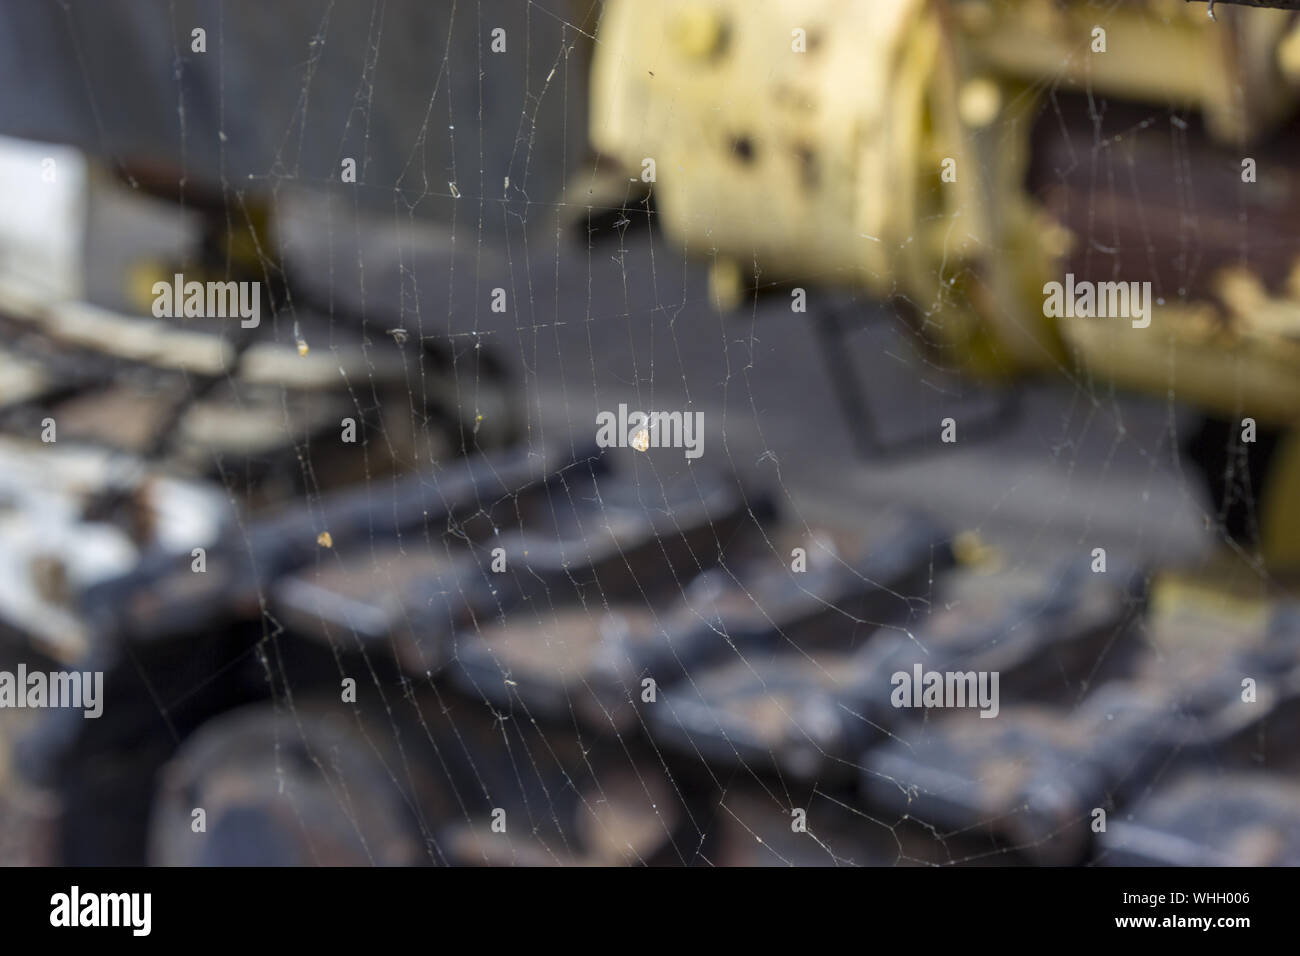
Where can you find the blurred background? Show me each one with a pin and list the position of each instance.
(364, 587)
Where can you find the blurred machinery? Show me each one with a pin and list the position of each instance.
(457, 643)
(949, 155)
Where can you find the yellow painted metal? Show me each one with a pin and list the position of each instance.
(1237, 357)
(1280, 506)
(824, 140)
(1149, 45)
(884, 143)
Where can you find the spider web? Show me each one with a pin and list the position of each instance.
(472, 175)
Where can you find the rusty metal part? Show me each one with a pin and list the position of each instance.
(810, 712)
(1045, 628)
(1034, 779)
(621, 537)
(160, 597)
(591, 659)
(795, 714)
(409, 597)
(784, 706)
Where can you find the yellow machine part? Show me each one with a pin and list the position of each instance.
(1242, 80)
(809, 138)
(884, 143)
(1237, 356)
